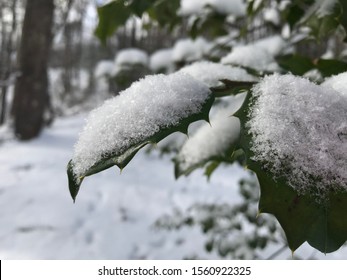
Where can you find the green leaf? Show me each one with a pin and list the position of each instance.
(251, 11)
(296, 64)
(329, 67)
(302, 217)
(122, 158)
(210, 168)
(139, 7)
(293, 14)
(111, 16)
(322, 26)
(165, 12)
(116, 13)
(343, 17)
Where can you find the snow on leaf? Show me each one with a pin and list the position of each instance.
(146, 112)
(235, 7)
(211, 142)
(338, 83)
(189, 50)
(131, 56)
(303, 217)
(161, 60)
(322, 8)
(251, 56)
(298, 132)
(211, 73)
(104, 68)
(272, 44)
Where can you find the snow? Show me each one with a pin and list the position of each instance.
(251, 56)
(299, 126)
(131, 56)
(225, 7)
(212, 141)
(137, 113)
(273, 44)
(338, 83)
(161, 59)
(114, 215)
(104, 68)
(211, 73)
(325, 7)
(314, 75)
(256, 4)
(189, 50)
(272, 15)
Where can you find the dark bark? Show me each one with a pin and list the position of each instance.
(6, 48)
(31, 91)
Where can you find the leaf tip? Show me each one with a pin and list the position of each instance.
(292, 253)
(258, 214)
(177, 170)
(74, 184)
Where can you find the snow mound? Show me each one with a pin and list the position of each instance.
(272, 15)
(149, 105)
(161, 59)
(131, 56)
(104, 68)
(211, 73)
(251, 56)
(225, 7)
(212, 141)
(338, 83)
(272, 44)
(189, 50)
(299, 130)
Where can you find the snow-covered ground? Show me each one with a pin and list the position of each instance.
(114, 214)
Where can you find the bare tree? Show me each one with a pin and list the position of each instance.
(8, 27)
(31, 90)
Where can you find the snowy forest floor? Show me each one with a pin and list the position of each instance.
(114, 214)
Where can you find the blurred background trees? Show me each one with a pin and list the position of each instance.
(171, 33)
(31, 98)
(52, 65)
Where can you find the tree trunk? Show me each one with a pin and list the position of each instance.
(31, 90)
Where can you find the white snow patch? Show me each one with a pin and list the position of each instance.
(189, 50)
(131, 56)
(212, 141)
(313, 75)
(300, 126)
(338, 83)
(161, 59)
(325, 7)
(256, 4)
(104, 68)
(251, 56)
(147, 106)
(211, 73)
(273, 44)
(272, 15)
(113, 217)
(225, 7)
